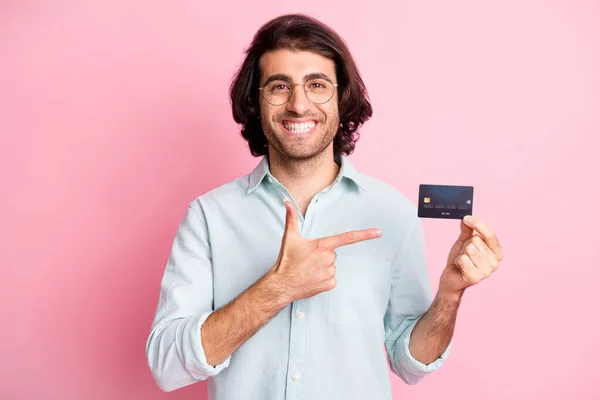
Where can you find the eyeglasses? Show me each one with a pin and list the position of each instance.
(318, 91)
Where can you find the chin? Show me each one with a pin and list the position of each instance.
(301, 147)
(303, 153)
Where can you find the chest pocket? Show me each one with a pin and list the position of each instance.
(361, 294)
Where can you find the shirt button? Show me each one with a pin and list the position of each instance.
(296, 377)
(300, 314)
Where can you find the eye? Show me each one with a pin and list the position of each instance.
(318, 86)
(279, 87)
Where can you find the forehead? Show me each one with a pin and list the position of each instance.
(295, 63)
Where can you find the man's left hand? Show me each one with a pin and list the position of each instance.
(472, 258)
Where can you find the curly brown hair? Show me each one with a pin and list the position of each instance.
(299, 32)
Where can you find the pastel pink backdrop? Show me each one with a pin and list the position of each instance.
(114, 115)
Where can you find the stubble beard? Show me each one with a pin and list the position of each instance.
(326, 132)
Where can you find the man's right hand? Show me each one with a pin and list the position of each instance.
(306, 267)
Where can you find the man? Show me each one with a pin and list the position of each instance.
(298, 280)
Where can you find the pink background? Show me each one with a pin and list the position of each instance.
(114, 115)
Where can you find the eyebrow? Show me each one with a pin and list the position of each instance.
(284, 77)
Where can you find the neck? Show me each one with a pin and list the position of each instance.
(304, 178)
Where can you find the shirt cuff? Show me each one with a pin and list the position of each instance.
(198, 365)
(412, 365)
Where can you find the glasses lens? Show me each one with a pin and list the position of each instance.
(278, 93)
(319, 90)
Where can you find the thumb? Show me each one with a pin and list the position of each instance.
(291, 219)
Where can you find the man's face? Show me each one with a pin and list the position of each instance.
(289, 127)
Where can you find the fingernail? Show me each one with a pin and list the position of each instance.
(377, 233)
(468, 219)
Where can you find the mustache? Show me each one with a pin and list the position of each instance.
(289, 115)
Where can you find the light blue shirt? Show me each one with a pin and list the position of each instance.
(335, 345)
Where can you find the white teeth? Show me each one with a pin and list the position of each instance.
(299, 128)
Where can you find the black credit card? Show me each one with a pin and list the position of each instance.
(445, 201)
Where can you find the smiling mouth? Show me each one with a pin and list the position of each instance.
(299, 128)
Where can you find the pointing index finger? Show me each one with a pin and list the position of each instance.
(343, 239)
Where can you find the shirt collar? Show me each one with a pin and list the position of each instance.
(347, 170)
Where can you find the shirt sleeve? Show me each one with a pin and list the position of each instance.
(410, 298)
(174, 347)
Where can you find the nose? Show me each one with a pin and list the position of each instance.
(299, 103)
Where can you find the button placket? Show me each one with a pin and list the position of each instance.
(298, 335)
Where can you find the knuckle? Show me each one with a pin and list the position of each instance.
(352, 236)
(331, 271)
(331, 283)
(332, 256)
(327, 258)
(470, 249)
(462, 260)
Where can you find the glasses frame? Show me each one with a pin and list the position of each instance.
(260, 88)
